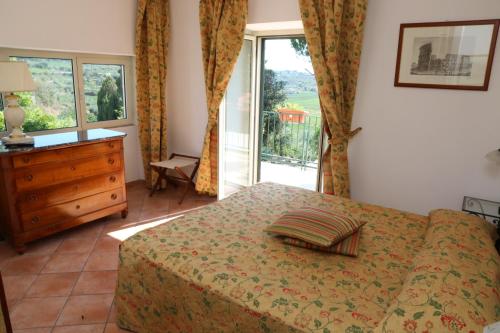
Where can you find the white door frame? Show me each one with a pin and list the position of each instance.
(222, 129)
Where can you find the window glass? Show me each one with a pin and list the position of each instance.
(2, 119)
(104, 92)
(53, 104)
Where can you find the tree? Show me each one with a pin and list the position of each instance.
(274, 96)
(109, 106)
(274, 90)
(300, 46)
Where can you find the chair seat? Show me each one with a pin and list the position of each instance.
(179, 162)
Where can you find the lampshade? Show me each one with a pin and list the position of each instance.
(15, 76)
(493, 156)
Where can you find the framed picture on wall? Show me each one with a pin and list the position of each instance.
(446, 55)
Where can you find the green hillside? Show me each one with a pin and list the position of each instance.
(301, 89)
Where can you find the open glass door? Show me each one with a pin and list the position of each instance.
(236, 125)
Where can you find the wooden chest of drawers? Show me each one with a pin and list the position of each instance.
(52, 187)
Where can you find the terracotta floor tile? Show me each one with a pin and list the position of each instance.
(112, 314)
(35, 330)
(102, 261)
(36, 312)
(49, 285)
(113, 328)
(159, 201)
(6, 252)
(62, 262)
(76, 245)
(21, 265)
(16, 286)
(89, 230)
(97, 328)
(89, 309)
(93, 283)
(117, 225)
(107, 243)
(44, 246)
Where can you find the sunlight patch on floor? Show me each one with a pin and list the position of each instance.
(128, 231)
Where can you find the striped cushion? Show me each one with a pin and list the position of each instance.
(348, 246)
(315, 226)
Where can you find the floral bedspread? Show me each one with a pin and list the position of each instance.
(453, 284)
(215, 270)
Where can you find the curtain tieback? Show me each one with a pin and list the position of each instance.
(343, 137)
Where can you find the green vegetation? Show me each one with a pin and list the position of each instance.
(109, 101)
(2, 122)
(307, 101)
(105, 81)
(298, 142)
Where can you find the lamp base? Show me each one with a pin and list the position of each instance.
(18, 141)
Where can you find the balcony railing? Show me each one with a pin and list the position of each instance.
(290, 139)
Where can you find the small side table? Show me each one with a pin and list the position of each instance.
(486, 209)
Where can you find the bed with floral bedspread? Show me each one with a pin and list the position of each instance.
(215, 270)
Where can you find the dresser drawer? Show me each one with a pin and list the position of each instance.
(53, 195)
(66, 154)
(70, 210)
(43, 176)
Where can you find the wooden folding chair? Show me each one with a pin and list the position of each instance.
(175, 163)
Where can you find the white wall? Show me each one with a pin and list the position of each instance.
(187, 110)
(90, 26)
(264, 11)
(419, 149)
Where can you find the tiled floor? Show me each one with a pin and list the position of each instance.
(65, 283)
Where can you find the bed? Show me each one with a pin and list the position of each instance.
(215, 270)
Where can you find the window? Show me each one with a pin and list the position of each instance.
(74, 91)
(103, 87)
(53, 104)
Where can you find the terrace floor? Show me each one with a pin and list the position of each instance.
(289, 175)
(65, 283)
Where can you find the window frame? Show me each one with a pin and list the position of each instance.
(77, 61)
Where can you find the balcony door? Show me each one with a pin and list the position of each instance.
(290, 131)
(236, 125)
(269, 121)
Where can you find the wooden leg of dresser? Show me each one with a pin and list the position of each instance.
(124, 213)
(20, 248)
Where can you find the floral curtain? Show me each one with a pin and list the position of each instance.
(222, 25)
(151, 38)
(334, 33)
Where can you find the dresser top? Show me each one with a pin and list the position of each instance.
(64, 139)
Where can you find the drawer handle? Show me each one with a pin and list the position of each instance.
(77, 207)
(26, 159)
(32, 197)
(29, 177)
(35, 219)
(111, 145)
(111, 161)
(112, 179)
(114, 196)
(73, 168)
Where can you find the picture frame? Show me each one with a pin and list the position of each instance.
(446, 55)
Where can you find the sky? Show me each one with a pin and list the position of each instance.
(280, 56)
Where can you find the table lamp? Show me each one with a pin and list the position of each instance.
(15, 77)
